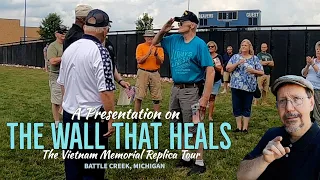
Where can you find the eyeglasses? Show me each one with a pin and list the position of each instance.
(211, 46)
(296, 101)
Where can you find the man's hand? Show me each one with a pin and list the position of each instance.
(111, 129)
(274, 150)
(156, 51)
(167, 26)
(203, 102)
(60, 110)
(125, 84)
(150, 50)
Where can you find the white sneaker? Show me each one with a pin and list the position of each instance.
(57, 124)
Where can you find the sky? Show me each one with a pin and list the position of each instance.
(124, 13)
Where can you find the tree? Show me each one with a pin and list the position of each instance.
(144, 23)
(49, 25)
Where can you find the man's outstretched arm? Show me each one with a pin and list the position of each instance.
(251, 169)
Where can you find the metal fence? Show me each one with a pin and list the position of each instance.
(289, 47)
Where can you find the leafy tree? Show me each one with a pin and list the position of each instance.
(144, 23)
(49, 25)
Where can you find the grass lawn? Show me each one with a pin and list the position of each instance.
(25, 97)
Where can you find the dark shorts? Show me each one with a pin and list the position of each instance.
(241, 102)
(181, 101)
(75, 168)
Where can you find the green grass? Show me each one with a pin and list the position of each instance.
(25, 97)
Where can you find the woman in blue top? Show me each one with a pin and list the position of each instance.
(312, 73)
(244, 68)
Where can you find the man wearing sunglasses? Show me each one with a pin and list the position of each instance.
(54, 53)
(193, 74)
(293, 150)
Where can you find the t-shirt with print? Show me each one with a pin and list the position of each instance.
(265, 57)
(55, 50)
(217, 61)
(240, 78)
(187, 60)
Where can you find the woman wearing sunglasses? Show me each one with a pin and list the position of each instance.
(217, 79)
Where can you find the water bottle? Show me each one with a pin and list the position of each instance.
(195, 113)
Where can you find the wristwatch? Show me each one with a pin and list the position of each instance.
(120, 81)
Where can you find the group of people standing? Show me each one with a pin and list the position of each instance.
(83, 74)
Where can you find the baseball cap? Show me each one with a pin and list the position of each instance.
(187, 16)
(97, 18)
(82, 10)
(291, 79)
(62, 29)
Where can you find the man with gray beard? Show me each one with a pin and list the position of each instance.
(293, 150)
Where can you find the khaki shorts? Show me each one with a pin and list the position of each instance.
(226, 76)
(181, 101)
(55, 89)
(151, 80)
(264, 82)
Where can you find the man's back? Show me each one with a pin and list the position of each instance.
(75, 33)
(86, 70)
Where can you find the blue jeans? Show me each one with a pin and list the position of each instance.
(74, 168)
(241, 102)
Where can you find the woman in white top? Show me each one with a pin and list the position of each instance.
(312, 73)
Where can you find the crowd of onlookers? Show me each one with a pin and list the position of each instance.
(82, 74)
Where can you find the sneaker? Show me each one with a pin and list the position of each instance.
(237, 130)
(245, 131)
(196, 169)
(157, 120)
(182, 163)
(57, 124)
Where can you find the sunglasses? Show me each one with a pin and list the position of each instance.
(211, 46)
(181, 23)
(62, 32)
